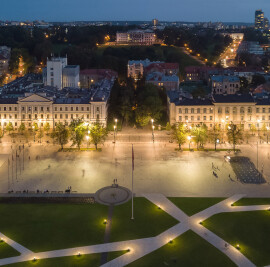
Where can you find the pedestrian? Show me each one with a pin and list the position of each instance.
(29, 157)
(83, 171)
(212, 165)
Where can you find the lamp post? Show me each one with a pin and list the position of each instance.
(40, 131)
(259, 137)
(114, 127)
(153, 136)
(267, 129)
(189, 139)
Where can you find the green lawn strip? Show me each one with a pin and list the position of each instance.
(252, 201)
(43, 227)
(188, 249)
(149, 221)
(206, 149)
(193, 205)
(7, 251)
(92, 260)
(251, 230)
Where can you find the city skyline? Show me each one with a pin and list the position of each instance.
(106, 10)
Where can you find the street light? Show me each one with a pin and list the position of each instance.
(267, 129)
(40, 131)
(153, 137)
(114, 127)
(33, 127)
(259, 137)
(189, 138)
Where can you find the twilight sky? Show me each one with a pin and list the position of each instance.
(171, 10)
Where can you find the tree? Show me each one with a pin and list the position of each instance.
(47, 127)
(21, 128)
(168, 127)
(234, 134)
(77, 131)
(180, 134)
(40, 134)
(61, 134)
(9, 127)
(264, 129)
(199, 135)
(214, 135)
(258, 80)
(98, 134)
(141, 117)
(1, 134)
(253, 129)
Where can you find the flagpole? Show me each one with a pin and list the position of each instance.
(132, 215)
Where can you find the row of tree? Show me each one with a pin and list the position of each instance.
(76, 132)
(200, 134)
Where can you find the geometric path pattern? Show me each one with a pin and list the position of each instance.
(140, 247)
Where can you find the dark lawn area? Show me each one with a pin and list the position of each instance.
(7, 251)
(193, 205)
(252, 201)
(251, 230)
(42, 227)
(188, 249)
(149, 221)
(92, 260)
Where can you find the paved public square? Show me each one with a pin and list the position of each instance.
(158, 169)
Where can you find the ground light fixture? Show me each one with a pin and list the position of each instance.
(200, 222)
(128, 249)
(159, 207)
(34, 259)
(170, 241)
(79, 254)
(105, 221)
(238, 247)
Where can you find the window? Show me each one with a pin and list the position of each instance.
(263, 118)
(66, 108)
(211, 118)
(23, 116)
(77, 108)
(227, 110)
(29, 116)
(242, 110)
(48, 116)
(55, 116)
(198, 110)
(263, 110)
(71, 116)
(29, 108)
(5, 108)
(71, 108)
(66, 116)
(35, 108)
(186, 118)
(192, 110)
(219, 110)
(180, 110)
(249, 110)
(186, 110)
(82, 108)
(204, 110)
(198, 118)
(55, 109)
(234, 110)
(10, 108)
(97, 109)
(60, 108)
(204, 118)
(61, 116)
(48, 108)
(41, 109)
(88, 109)
(35, 116)
(242, 118)
(41, 116)
(192, 118)
(22, 108)
(257, 110)
(15, 116)
(87, 116)
(97, 116)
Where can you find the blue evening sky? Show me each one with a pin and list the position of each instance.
(171, 10)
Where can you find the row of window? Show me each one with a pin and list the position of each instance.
(42, 109)
(44, 116)
(220, 110)
(204, 118)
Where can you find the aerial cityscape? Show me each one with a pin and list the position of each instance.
(132, 135)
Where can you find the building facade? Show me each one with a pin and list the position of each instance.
(141, 37)
(259, 19)
(40, 109)
(60, 75)
(243, 110)
(225, 84)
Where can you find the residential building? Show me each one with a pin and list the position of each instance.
(244, 110)
(259, 19)
(225, 84)
(169, 82)
(89, 77)
(59, 74)
(250, 48)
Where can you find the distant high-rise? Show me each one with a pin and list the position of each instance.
(155, 22)
(266, 23)
(259, 20)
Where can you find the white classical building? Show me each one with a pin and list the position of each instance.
(143, 37)
(244, 110)
(60, 75)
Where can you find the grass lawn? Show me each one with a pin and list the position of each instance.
(193, 205)
(252, 201)
(42, 227)
(188, 249)
(92, 260)
(251, 230)
(7, 251)
(149, 221)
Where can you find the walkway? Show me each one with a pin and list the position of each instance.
(138, 248)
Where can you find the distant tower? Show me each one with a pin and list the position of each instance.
(155, 22)
(259, 19)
